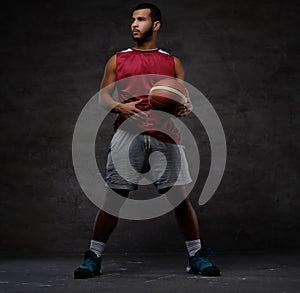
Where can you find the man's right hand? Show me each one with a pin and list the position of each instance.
(127, 110)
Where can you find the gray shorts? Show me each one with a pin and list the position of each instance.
(143, 159)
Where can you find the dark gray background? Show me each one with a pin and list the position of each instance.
(243, 55)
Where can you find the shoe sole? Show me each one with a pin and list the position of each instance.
(197, 272)
(94, 274)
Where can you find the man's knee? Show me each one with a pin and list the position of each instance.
(113, 202)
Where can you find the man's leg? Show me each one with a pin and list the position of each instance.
(104, 225)
(185, 214)
(188, 222)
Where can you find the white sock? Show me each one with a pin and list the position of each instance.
(97, 247)
(193, 246)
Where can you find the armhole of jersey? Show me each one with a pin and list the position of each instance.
(169, 54)
(126, 50)
(117, 54)
(163, 52)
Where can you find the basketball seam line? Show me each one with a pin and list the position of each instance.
(169, 89)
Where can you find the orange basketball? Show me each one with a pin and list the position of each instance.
(168, 95)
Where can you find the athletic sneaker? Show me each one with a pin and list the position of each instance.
(91, 266)
(200, 265)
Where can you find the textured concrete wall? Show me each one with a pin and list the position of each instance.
(243, 55)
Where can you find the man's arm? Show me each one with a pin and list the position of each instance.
(179, 73)
(107, 88)
(179, 69)
(107, 85)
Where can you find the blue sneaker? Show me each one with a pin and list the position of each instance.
(91, 266)
(200, 265)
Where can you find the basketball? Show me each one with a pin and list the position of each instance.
(168, 95)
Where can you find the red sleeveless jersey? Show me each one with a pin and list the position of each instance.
(139, 63)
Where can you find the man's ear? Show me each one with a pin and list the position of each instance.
(156, 25)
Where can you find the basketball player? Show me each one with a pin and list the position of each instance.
(145, 58)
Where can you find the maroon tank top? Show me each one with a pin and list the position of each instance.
(133, 62)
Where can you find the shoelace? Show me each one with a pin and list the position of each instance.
(201, 259)
(90, 264)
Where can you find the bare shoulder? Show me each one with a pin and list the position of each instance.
(109, 72)
(111, 63)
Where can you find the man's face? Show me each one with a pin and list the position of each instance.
(141, 25)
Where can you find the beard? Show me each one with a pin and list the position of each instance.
(144, 37)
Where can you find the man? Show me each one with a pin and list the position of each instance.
(145, 58)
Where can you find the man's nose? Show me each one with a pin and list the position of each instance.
(134, 24)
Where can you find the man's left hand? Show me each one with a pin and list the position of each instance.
(185, 109)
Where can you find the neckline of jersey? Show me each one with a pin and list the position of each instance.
(146, 50)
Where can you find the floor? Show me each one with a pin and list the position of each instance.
(260, 272)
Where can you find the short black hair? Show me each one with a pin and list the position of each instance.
(155, 13)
